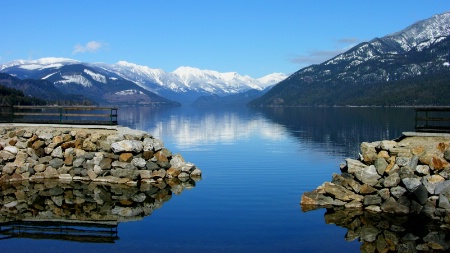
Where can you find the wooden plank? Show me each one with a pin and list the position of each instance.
(65, 107)
(433, 119)
(86, 115)
(60, 114)
(36, 114)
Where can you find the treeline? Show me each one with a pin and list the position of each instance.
(429, 90)
(10, 97)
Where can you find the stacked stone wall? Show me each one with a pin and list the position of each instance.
(122, 156)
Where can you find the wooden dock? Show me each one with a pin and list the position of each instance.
(433, 119)
(73, 115)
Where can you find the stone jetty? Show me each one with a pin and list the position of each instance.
(117, 155)
(410, 175)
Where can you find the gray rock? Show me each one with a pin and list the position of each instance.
(414, 162)
(124, 173)
(421, 194)
(374, 208)
(57, 152)
(138, 162)
(406, 172)
(105, 163)
(437, 240)
(368, 175)
(151, 144)
(56, 163)
(123, 165)
(7, 156)
(384, 193)
(151, 166)
(415, 207)
(369, 233)
(380, 165)
(11, 149)
(372, 200)
(177, 161)
(196, 173)
(127, 146)
(78, 162)
(441, 186)
(447, 155)
(403, 161)
(397, 191)
(443, 202)
(411, 184)
(58, 200)
(392, 180)
(139, 197)
(354, 166)
(428, 209)
(391, 206)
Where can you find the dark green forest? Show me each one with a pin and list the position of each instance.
(10, 97)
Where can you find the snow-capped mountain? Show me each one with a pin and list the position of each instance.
(378, 72)
(71, 77)
(184, 85)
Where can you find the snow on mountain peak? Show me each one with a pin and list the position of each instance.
(42, 63)
(271, 79)
(183, 79)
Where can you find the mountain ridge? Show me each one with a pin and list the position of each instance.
(421, 49)
(185, 84)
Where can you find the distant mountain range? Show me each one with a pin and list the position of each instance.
(409, 67)
(128, 83)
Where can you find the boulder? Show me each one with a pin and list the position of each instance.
(368, 175)
(127, 146)
(391, 180)
(354, 166)
(339, 192)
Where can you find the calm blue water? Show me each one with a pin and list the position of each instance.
(256, 165)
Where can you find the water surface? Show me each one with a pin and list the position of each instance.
(256, 164)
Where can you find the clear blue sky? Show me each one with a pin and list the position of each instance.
(251, 37)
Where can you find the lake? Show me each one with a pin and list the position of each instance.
(256, 164)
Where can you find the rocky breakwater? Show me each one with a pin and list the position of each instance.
(406, 176)
(121, 155)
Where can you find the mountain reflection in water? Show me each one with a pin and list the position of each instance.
(79, 211)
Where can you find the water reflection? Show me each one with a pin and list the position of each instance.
(383, 232)
(336, 131)
(79, 211)
(340, 130)
(193, 128)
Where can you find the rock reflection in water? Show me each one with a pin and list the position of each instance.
(79, 211)
(383, 232)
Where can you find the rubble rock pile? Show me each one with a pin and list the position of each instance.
(406, 176)
(121, 156)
